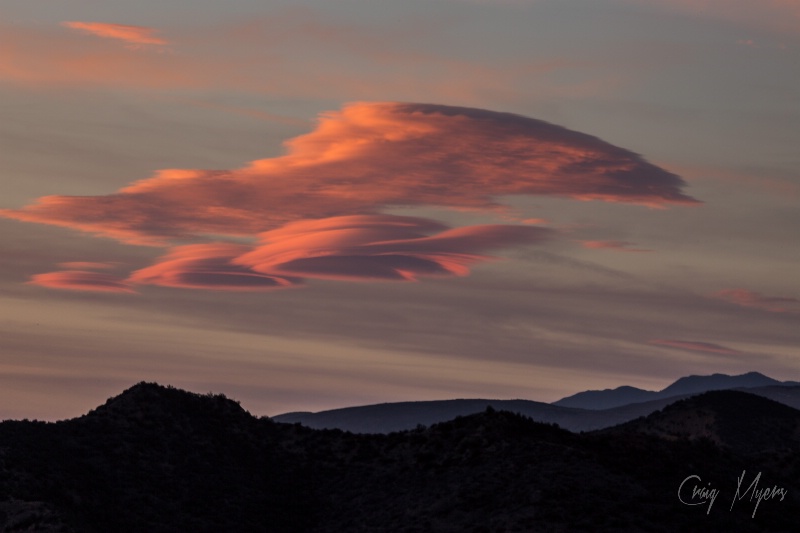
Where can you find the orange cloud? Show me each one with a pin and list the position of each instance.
(315, 208)
(696, 346)
(367, 157)
(619, 246)
(208, 266)
(129, 34)
(746, 298)
(81, 280)
(383, 247)
(348, 248)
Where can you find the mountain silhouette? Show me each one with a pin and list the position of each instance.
(734, 419)
(157, 459)
(149, 459)
(400, 416)
(585, 411)
(606, 399)
(695, 384)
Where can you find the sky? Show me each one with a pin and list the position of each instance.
(316, 204)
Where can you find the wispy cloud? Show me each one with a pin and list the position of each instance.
(135, 35)
(86, 265)
(617, 246)
(82, 280)
(747, 298)
(696, 346)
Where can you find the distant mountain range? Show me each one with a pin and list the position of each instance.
(609, 398)
(157, 459)
(585, 411)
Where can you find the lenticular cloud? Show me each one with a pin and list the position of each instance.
(364, 158)
(314, 213)
(351, 248)
(381, 247)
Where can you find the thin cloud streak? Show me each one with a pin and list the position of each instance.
(617, 246)
(86, 265)
(747, 298)
(696, 346)
(136, 35)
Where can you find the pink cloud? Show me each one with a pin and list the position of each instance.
(367, 157)
(381, 247)
(136, 35)
(696, 346)
(348, 248)
(746, 298)
(314, 210)
(208, 266)
(618, 246)
(82, 280)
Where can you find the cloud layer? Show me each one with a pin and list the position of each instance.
(381, 247)
(314, 213)
(348, 248)
(208, 266)
(367, 157)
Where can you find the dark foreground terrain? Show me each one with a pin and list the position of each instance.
(158, 459)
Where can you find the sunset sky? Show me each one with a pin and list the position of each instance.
(324, 203)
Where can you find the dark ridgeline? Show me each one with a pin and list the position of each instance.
(584, 411)
(158, 459)
(610, 398)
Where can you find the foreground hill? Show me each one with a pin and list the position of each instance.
(733, 419)
(157, 459)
